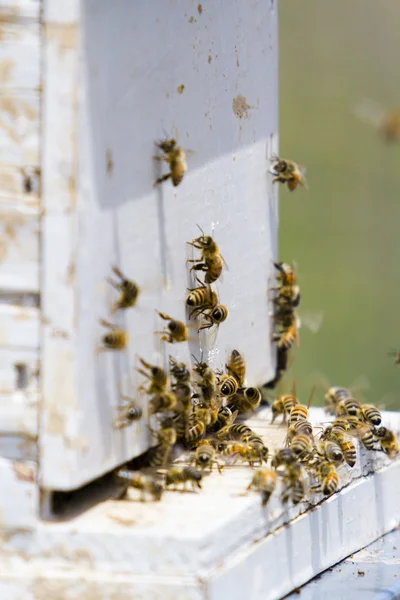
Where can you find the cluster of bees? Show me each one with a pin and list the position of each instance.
(197, 410)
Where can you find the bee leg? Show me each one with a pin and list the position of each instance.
(161, 179)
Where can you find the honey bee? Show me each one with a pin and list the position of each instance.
(158, 456)
(283, 457)
(286, 274)
(183, 475)
(365, 433)
(293, 483)
(302, 445)
(330, 479)
(225, 417)
(298, 413)
(211, 261)
(289, 172)
(176, 159)
(204, 458)
(288, 333)
(116, 339)
(159, 380)
(246, 399)
(348, 449)
(283, 405)
(127, 414)
(299, 428)
(201, 299)
(228, 385)
(236, 367)
(371, 414)
(330, 452)
(388, 441)
(387, 122)
(208, 383)
(288, 296)
(334, 396)
(129, 291)
(178, 332)
(199, 420)
(264, 481)
(396, 355)
(162, 402)
(179, 371)
(350, 407)
(216, 316)
(234, 431)
(140, 482)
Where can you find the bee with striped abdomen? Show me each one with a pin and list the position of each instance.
(236, 367)
(288, 172)
(201, 299)
(216, 316)
(263, 481)
(370, 414)
(116, 339)
(211, 261)
(227, 384)
(176, 330)
(176, 159)
(335, 395)
(183, 475)
(158, 378)
(349, 407)
(128, 289)
(246, 399)
(283, 405)
(144, 483)
(388, 441)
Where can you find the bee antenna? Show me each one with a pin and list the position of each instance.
(311, 395)
(202, 232)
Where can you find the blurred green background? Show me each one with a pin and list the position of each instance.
(344, 232)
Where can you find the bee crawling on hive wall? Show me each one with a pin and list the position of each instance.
(288, 172)
(211, 261)
(116, 339)
(172, 154)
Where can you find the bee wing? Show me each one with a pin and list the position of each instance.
(312, 320)
(370, 112)
(189, 152)
(360, 384)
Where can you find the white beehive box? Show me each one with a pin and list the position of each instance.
(87, 87)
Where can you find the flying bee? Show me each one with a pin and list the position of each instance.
(116, 339)
(129, 291)
(201, 299)
(264, 481)
(387, 122)
(388, 441)
(246, 399)
(127, 414)
(283, 405)
(216, 316)
(140, 482)
(176, 330)
(350, 407)
(396, 355)
(289, 172)
(211, 261)
(179, 371)
(236, 366)
(159, 380)
(228, 385)
(369, 413)
(183, 475)
(176, 159)
(204, 458)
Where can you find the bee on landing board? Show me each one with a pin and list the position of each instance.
(172, 154)
(288, 172)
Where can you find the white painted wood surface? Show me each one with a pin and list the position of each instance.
(216, 543)
(20, 82)
(102, 125)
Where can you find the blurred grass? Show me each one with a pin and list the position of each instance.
(344, 232)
